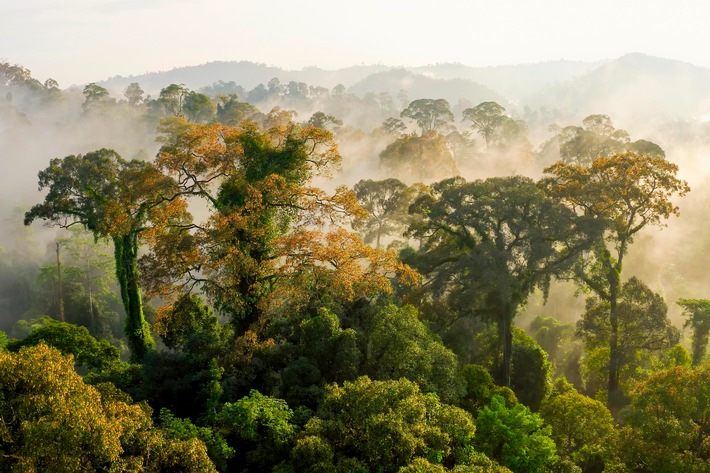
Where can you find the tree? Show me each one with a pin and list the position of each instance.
(386, 202)
(134, 94)
(596, 138)
(383, 425)
(515, 437)
(321, 120)
(172, 99)
(668, 422)
(70, 340)
(94, 96)
(392, 126)
(117, 199)
(52, 421)
(422, 158)
(697, 312)
(565, 350)
(399, 345)
(582, 428)
(198, 107)
(181, 321)
(93, 267)
(259, 247)
(260, 427)
(487, 245)
(530, 370)
(429, 114)
(231, 111)
(642, 323)
(485, 118)
(626, 192)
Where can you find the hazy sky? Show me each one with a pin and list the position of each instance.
(79, 41)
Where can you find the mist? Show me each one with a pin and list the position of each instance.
(653, 99)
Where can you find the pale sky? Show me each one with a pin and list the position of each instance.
(80, 41)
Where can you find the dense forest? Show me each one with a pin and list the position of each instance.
(290, 277)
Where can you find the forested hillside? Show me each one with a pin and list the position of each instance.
(413, 272)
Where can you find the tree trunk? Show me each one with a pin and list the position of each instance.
(506, 336)
(136, 328)
(61, 292)
(614, 393)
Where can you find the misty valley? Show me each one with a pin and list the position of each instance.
(235, 267)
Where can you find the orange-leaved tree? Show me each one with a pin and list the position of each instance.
(268, 227)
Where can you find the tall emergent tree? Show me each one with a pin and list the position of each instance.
(487, 245)
(260, 236)
(627, 192)
(429, 114)
(486, 118)
(117, 199)
(386, 203)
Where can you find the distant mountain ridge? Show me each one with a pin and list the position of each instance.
(631, 87)
(420, 86)
(245, 73)
(635, 87)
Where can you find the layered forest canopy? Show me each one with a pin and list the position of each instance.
(377, 269)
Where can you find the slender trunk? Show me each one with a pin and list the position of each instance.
(506, 337)
(614, 354)
(136, 328)
(59, 281)
(89, 290)
(614, 279)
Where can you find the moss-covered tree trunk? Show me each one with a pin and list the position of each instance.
(136, 328)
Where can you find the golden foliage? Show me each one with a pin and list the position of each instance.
(52, 422)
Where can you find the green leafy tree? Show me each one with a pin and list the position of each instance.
(582, 428)
(486, 118)
(230, 111)
(198, 107)
(399, 345)
(70, 340)
(480, 389)
(188, 316)
(429, 114)
(323, 121)
(95, 96)
(386, 203)
(597, 138)
(94, 270)
(383, 425)
(559, 340)
(324, 353)
(697, 312)
(643, 324)
(184, 430)
(515, 437)
(514, 236)
(530, 370)
(134, 94)
(117, 199)
(392, 126)
(261, 428)
(172, 99)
